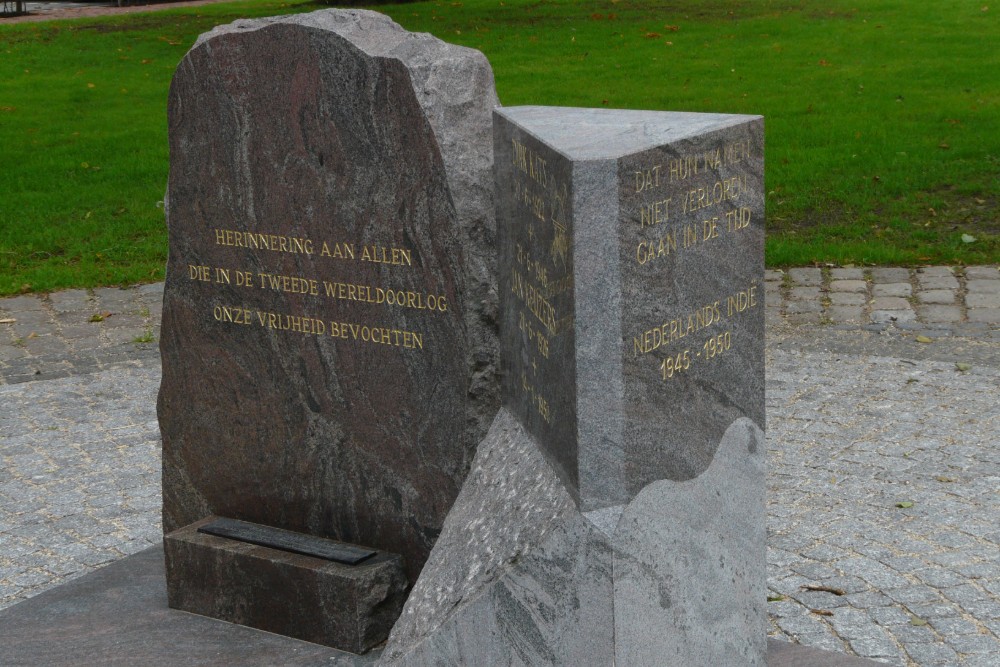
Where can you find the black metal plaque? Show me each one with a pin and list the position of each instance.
(287, 540)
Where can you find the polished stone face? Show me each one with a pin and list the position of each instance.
(631, 279)
(328, 348)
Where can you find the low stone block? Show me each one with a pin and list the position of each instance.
(855, 286)
(983, 286)
(774, 275)
(980, 300)
(846, 314)
(890, 275)
(988, 315)
(799, 307)
(893, 289)
(935, 272)
(886, 316)
(982, 272)
(847, 274)
(806, 276)
(933, 282)
(890, 303)
(846, 299)
(804, 293)
(939, 313)
(520, 576)
(937, 296)
(349, 607)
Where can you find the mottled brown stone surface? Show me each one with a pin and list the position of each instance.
(358, 421)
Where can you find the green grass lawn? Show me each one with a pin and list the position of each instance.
(882, 117)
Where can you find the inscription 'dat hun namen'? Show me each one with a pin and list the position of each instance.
(319, 287)
(687, 203)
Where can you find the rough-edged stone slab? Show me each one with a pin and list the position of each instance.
(518, 577)
(690, 564)
(328, 342)
(350, 607)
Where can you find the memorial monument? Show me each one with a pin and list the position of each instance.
(338, 335)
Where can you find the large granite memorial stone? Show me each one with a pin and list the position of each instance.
(615, 512)
(329, 325)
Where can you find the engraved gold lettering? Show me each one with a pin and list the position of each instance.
(377, 335)
(382, 255)
(231, 315)
(648, 251)
(258, 241)
(646, 179)
(290, 284)
(199, 273)
(340, 250)
(654, 213)
(737, 219)
(742, 300)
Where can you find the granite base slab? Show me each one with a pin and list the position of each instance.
(118, 616)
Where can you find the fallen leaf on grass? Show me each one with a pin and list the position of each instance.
(906, 504)
(968, 238)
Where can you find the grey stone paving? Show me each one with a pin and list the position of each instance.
(884, 480)
(79, 476)
(884, 503)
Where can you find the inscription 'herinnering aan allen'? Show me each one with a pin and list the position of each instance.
(305, 246)
(317, 287)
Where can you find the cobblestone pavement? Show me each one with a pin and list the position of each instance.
(77, 331)
(79, 475)
(884, 498)
(939, 300)
(884, 481)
